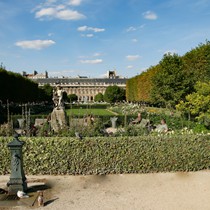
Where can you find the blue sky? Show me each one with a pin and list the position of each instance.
(90, 37)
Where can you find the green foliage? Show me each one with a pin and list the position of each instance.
(99, 97)
(139, 88)
(18, 89)
(114, 94)
(172, 79)
(170, 82)
(200, 128)
(198, 103)
(72, 97)
(65, 96)
(46, 93)
(15, 88)
(83, 111)
(6, 129)
(142, 154)
(89, 106)
(197, 63)
(134, 130)
(131, 89)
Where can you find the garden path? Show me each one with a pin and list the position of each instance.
(157, 191)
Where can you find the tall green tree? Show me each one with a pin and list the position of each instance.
(46, 93)
(114, 94)
(16, 88)
(172, 79)
(99, 97)
(197, 63)
(170, 83)
(72, 97)
(65, 96)
(131, 89)
(197, 104)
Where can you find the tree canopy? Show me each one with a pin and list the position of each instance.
(72, 97)
(16, 88)
(114, 94)
(99, 97)
(198, 103)
(170, 83)
(172, 79)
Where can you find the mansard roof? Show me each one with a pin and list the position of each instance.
(80, 80)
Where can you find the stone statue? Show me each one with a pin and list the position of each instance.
(58, 97)
(58, 116)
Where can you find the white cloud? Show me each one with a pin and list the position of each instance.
(96, 61)
(51, 1)
(54, 9)
(129, 67)
(60, 7)
(150, 15)
(170, 52)
(61, 73)
(75, 2)
(134, 40)
(35, 44)
(142, 26)
(82, 28)
(132, 57)
(97, 54)
(86, 28)
(103, 75)
(63, 14)
(50, 34)
(88, 35)
(69, 15)
(131, 28)
(46, 12)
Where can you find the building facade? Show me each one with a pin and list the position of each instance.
(85, 88)
(35, 75)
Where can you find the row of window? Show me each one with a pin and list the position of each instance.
(86, 84)
(85, 91)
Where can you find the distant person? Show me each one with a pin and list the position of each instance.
(162, 127)
(89, 120)
(137, 120)
(92, 119)
(150, 126)
(33, 130)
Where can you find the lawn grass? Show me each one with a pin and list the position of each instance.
(82, 112)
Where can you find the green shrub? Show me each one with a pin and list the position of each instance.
(6, 129)
(200, 128)
(102, 155)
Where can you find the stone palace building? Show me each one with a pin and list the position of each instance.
(85, 88)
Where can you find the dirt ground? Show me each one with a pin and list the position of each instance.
(158, 191)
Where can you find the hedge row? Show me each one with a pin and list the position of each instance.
(144, 154)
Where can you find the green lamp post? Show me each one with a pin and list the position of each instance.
(17, 180)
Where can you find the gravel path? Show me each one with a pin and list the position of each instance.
(158, 191)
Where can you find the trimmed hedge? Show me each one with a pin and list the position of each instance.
(142, 154)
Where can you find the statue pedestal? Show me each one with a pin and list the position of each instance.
(113, 120)
(58, 119)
